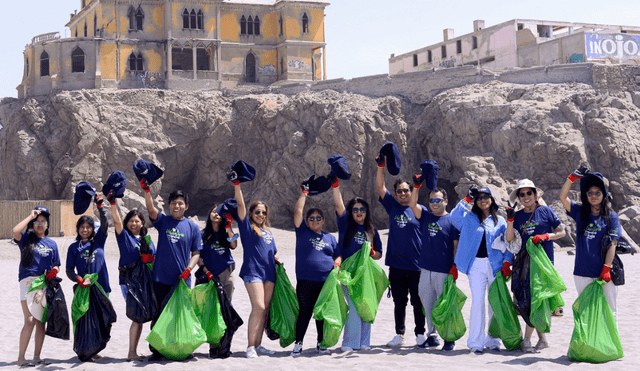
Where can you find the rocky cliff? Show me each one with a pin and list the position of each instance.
(491, 134)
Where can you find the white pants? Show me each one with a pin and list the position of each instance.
(610, 291)
(429, 289)
(480, 279)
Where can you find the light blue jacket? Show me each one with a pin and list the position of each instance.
(471, 231)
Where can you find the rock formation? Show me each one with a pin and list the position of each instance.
(490, 134)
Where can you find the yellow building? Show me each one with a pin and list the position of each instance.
(172, 44)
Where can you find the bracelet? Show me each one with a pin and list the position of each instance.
(608, 265)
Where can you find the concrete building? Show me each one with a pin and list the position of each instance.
(179, 44)
(525, 43)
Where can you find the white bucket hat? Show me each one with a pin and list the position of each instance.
(524, 183)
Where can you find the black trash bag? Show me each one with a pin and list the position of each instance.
(231, 319)
(201, 277)
(272, 335)
(57, 313)
(617, 268)
(142, 305)
(521, 285)
(93, 329)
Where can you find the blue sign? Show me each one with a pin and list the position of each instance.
(616, 47)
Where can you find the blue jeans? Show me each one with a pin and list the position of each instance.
(356, 331)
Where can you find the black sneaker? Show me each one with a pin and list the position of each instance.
(155, 357)
(431, 341)
(448, 346)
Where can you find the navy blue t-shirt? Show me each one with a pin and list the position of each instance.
(45, 257)
(177, 239)
(259, 252)
(215, 257)
(544, 220)
(438, 234)
(129, 247)
(314, 254)
(78, 255)
(588, 244)
(405, 235)
(356, 242)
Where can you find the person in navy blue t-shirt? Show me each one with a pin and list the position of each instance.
(314, 261)
(38, 255)
(258, 267)
(130, 235)
(354, 228)
(439, 242)
(403, 249)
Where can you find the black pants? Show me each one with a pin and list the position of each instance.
(404, 283)
(307, 292)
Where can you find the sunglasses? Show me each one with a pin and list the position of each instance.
(485, 197)
(594, 194)
(359, 210)
(436, 200)
(314, 218)
(40, 223)
(403, 190)
(527, 193)
(258, 212)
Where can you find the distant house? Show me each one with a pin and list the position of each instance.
(171, 44)
(525, 43)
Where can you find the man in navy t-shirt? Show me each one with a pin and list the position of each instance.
(403, 250)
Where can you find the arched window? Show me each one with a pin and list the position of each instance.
(27, 65)
(203, 58)
(95, 24)
(85, 28)
(131, 15)
(256, 25)
(281, 26)
(305, 23)
(250, 68)
(44, 64)
(243, 26)
(75, 34)
(182, 58)
(185, 18)
(139, 18)
(77, 60)
(193, 19)
(250, 26)
(200, 20)
(136, 63)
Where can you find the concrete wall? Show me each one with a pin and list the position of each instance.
(554, 51)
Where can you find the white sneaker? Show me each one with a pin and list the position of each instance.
(397, 341)
(346, 349)
(420, 339)
(365, 347)
(263, 350)
(297, 350)
(322, 350)
(251, 352)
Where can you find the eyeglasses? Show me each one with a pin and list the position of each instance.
(359, 210)
(594, 194)
(314, 218)
(403, 190)
(40, 223)
(527, 193)
(485, 197)
(436, 200)
(258, 212)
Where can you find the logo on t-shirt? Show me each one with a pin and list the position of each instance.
(268, 237)
(402, 220)
(43, 250)
(85, 256)
(218, 249)
(318, 243)
(360, 238)
(529, 228)
(174, 235)
(433, 228)
(591, 231)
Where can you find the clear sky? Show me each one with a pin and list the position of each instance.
(360, 34)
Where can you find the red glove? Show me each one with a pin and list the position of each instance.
(229, 219)
(185, 275)
(454, 272)
(98, 200)
(52, 274)
(336, 264)
(111, 198)
(147, 258)
(373, 252)
(605, 275)
(417, 181)
(506, 269)
(380, 161)
(209, 276)
(540, 237)
(81, 282)
(334, 181)
(511, 212)
(144, 185)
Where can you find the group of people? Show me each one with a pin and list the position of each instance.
(424, 246)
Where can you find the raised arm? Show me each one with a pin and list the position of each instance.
(510, 235)
(153, 212)
(382, 189)
(117, 221)
(17, 230)
(566, 187)
(337, 198)
(242, 209)
(413, 201)
(299, 208)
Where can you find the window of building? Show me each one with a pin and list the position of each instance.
(544, 31)
(429, 58)
(77, 60)
(185, 18)
(415, 60)
(95, 24)
(474, 42)
(281, 65)
(136, 18)
(200, 20)
(85, 28)
(305, 23)
(203, 59)
(443, 51)
(459, 46)
(193, 19)
(281, 26)
(75, 34)
(243, 26)
(182, 58)
(520, 26)
(256, 26)
(136, 63)
(27, 65)
(139, 18)
(44, 64)
(250, 25)
(250, 68)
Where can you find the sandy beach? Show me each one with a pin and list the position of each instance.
(380, 357)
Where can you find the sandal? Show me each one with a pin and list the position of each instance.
(26, 364)
(42, 362)
(559, 312)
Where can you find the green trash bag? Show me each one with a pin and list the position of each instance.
(284, 308)
(39, 284)
(546, 286)
(595, 336)
(447, 311)
(365, 280)
(332, 309)
(177, 333)
(206, 306)
(504, 324)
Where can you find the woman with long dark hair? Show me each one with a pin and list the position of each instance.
(594, 221)
(477, 258)
(354, 228)
(38, 255)
(215, 258)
